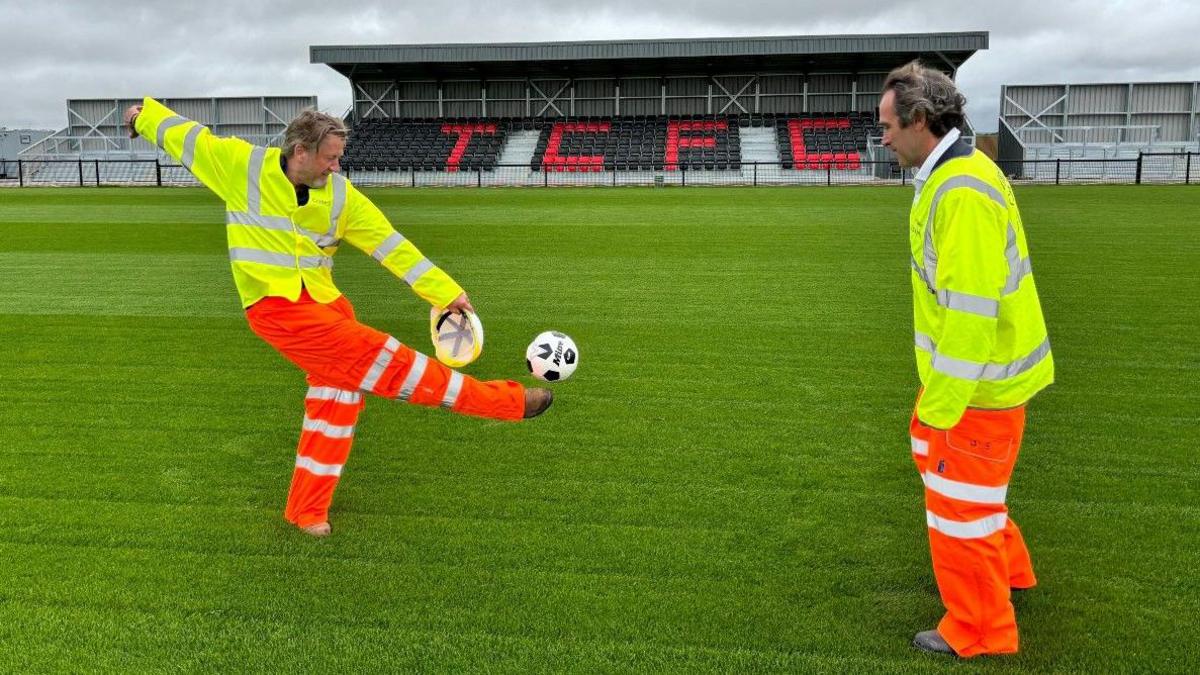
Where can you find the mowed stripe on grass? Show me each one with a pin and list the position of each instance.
(724, 485)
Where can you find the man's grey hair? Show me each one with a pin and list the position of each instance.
(309, 129)
(926, 93)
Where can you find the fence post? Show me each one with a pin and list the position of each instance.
(97, 172)
(20, 173)
(412, 177)
(756, 174)
(1138, 177)
(80, 172)
(157, 173)
(1187, 170)
(828, 175)
(614, 177)
(1057, 170)
(545, 177)
(478, 177)
(682, 176)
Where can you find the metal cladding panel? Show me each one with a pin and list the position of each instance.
(505, 108)
(828, 103)
(1162, 97)
(1034, 99)
(640, 106)
(781, 104)
(1097, 98)
(782, 84)
(1171, 127)
(464, 109)
(640, 86)
(600, 107)
(833, 84)
(686, 106)
(687, 86)
(501, 89)
(470, 89)
(418, 109)
(595, 89)
(418, 91)
(373, 88)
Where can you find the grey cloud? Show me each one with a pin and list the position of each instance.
(105, 49)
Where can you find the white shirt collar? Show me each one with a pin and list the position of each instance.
(940, 149)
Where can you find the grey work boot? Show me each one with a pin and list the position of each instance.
(537, 399)
(932, 641)
(317, 530)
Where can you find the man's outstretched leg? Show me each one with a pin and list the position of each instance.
(402, 373)
(325, 438)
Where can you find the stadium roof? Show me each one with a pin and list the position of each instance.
(627, 58)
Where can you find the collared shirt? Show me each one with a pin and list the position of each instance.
(931, 161)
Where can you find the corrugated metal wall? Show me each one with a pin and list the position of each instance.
(1109, 111)
(98, 123)
(684, 95)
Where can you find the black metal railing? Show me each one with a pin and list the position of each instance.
(1146, 168)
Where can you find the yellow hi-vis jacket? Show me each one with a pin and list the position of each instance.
(275, 245)
(980, 337)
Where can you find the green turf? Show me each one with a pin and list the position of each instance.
(725, 485)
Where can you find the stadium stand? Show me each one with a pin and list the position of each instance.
(426, 144)
(823, 142)
(639, 143)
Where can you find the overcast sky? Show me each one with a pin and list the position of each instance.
(53, 51)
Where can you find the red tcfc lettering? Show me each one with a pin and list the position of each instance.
(552, 161)
(802, 159)
(465, 132)
(676, 140)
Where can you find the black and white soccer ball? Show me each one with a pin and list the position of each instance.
(552, 356)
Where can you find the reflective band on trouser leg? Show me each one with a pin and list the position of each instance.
(966, 482)
(416, 378)
(330, 414)
(919, 441)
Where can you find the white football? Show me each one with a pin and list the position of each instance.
(552, 356)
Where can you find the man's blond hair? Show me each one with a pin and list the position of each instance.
(309, 129)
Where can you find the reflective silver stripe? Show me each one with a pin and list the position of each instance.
(970, 370)
(996, 371)
(924, 342)
(262, 257)
(971, 529)
(452, 389)
(326, 429)
(414, 376)
(919, 447)
(253, 191)
(314, 261)
(417, 270)
(960, 368)
(967, 492)
(950, 184)
(1016, 274)
(254, 220)
(382, 359)
(172, 121)
(971, 304)
(921, 273)
(314, 467)
(394, 239)
(189, 147)
(338, 182)
(334, 394)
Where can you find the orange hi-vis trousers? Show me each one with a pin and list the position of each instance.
(978, 552)
(345, 359)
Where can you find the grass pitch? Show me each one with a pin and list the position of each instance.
(725, 484)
